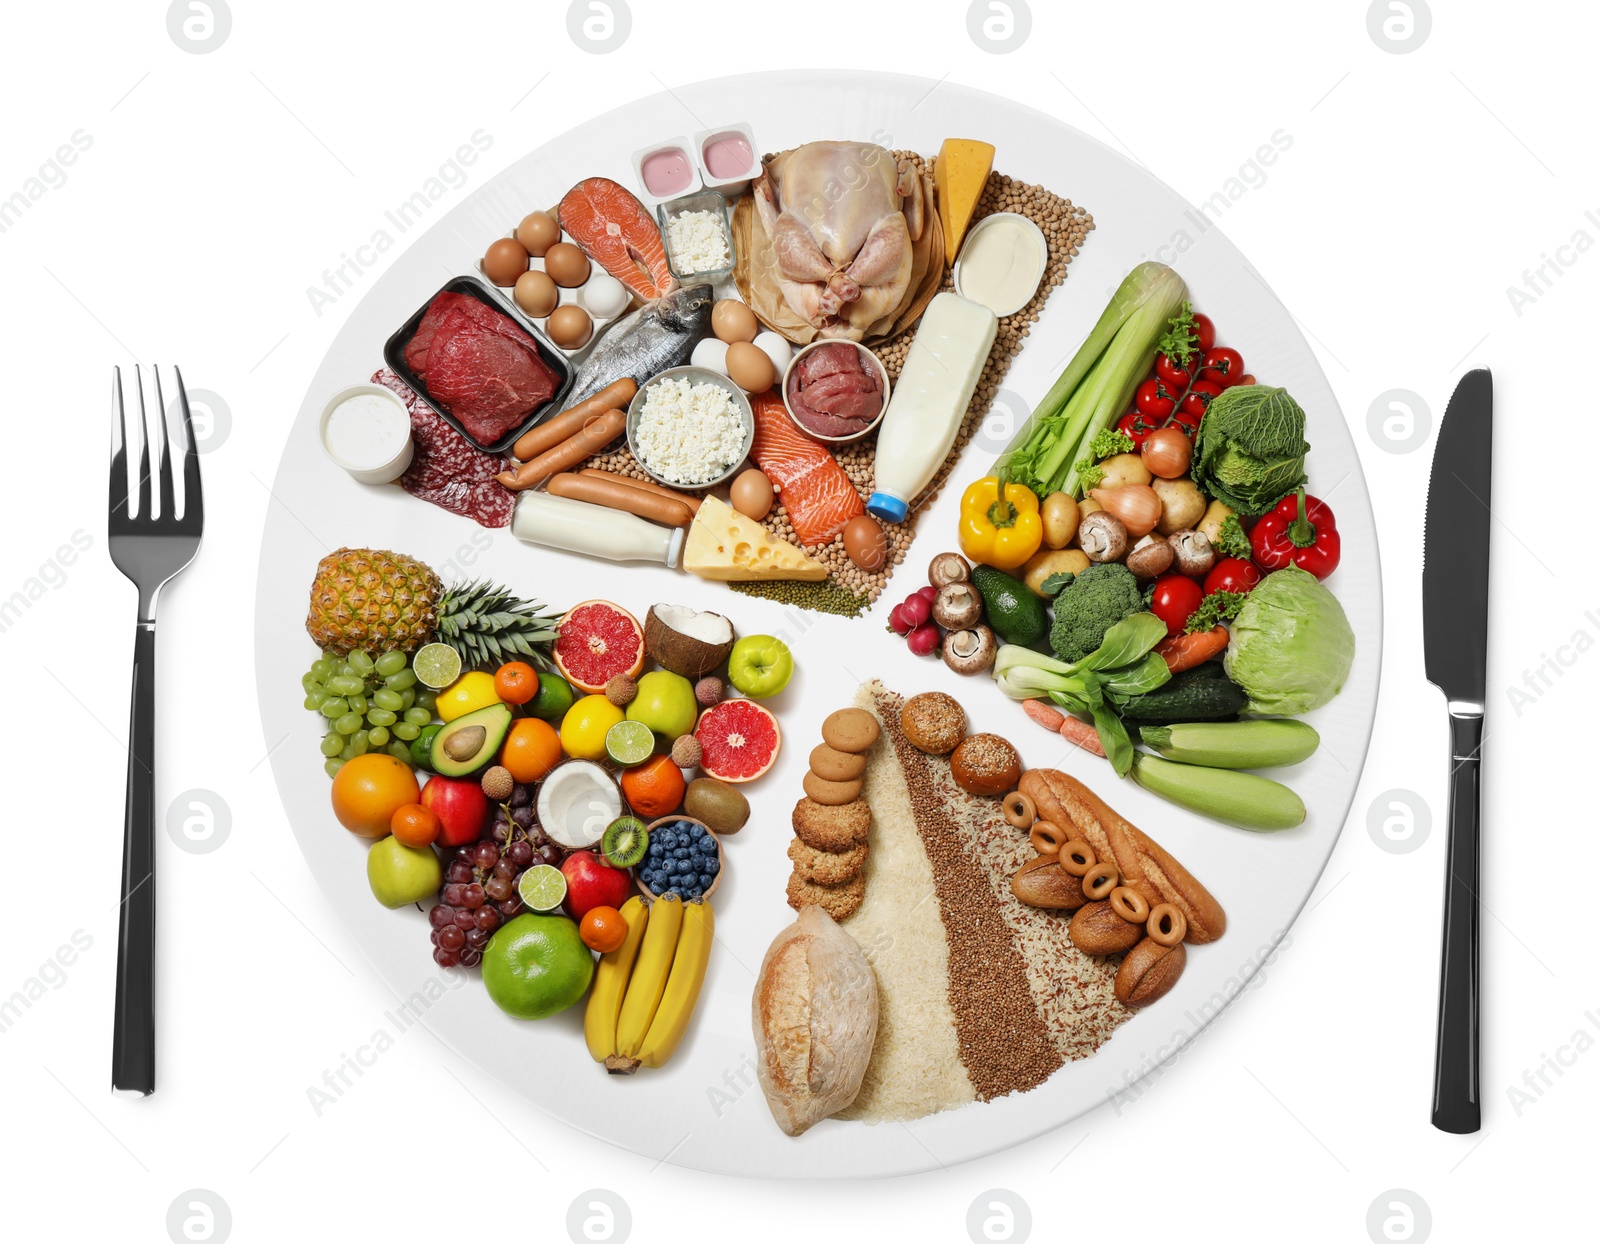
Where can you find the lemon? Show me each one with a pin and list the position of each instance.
(467, 694)
(583, 729)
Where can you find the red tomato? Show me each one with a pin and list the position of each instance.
(1172, 373)
(1155, 401)
(1176, 597)
(1133, 426)
(1232, 574)
(1222, 366)
(1205, 332)
(1199, 400)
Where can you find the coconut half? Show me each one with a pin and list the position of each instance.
(577, 800)
(687, 641)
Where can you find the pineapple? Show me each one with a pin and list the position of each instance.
(375, 599)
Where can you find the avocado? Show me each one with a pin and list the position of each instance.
(1012, 611)
(470, 742)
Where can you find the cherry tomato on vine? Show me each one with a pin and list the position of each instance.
(1222, 366)
(1198, 401)
(1205, 333)
(1232, 574)
(1176, 597)
(1134, 426)
(1172, 373)
(1155, 401)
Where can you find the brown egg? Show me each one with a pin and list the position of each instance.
(536, 294)
(567, 265)
(538, 232)
(750, 368)
(751, 494)
(504, 261)
(732, 321)
(864, 542)
(569, 327)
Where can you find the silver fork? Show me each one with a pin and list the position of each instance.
(149, 548)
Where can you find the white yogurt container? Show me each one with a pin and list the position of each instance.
(1001, 262)
(366, 429)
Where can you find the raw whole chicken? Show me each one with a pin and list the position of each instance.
(842, 218)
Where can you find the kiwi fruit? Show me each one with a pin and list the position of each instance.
(625, 841)
(719, 805)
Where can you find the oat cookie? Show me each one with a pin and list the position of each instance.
(827, 867)
(839, 901)
(835, 828)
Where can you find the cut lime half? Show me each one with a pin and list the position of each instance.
(436, 665)
(630, 742)
(542, 887)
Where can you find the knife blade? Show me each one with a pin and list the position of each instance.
(1455, 625)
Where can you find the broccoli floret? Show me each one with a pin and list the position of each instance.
(1089, 606)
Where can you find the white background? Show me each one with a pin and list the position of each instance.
(1418, 188)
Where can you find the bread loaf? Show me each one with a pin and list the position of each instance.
(815, 1015)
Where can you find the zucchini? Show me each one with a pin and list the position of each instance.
(1261, 744)
(1242, 799)
(1204, 693)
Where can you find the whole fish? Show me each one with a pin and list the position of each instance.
(643, 343)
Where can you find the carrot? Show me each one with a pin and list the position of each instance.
(1082, 734)
(1049, 718)
(1183, 652)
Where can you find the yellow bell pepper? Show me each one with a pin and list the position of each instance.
(1000, 529)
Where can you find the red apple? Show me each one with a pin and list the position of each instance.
(460, 805)
(591, 882)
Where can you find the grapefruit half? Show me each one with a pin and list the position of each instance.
(597, 641)
(739, 740)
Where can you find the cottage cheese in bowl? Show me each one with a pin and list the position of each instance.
(690, 428)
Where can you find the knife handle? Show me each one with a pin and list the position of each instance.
(1455, 1071)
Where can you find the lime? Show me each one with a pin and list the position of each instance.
(554, 699)
(630, 742)
(542, 887)
(436, 665)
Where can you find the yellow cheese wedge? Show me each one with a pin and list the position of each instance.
(725, 545)
(960, 173)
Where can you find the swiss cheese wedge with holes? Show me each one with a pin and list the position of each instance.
(725, 545)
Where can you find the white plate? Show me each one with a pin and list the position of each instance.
(704, 1110)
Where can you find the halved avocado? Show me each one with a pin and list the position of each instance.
(471, 741)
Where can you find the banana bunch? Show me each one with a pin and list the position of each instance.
(645, 990)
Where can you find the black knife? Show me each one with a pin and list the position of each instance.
(1455, 627)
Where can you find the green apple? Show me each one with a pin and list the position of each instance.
(665, 702)
(760, 665)
(400, 875)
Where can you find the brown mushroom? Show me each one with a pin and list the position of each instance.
(957, 606)
(948, 568)
(1102, 537)
(1193, 552)
(1150, 557)
(970, 651)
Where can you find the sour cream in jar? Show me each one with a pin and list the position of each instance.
(366, 429)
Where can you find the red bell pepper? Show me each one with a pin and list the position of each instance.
(1298, 531)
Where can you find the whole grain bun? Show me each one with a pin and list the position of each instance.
(815, 1016)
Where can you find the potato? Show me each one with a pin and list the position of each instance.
(1059, 512)
(1047, 562)
(1211, 523)
(1123, 469)
(1182, 504)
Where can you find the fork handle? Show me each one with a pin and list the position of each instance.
(133, 1051)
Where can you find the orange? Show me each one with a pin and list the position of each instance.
(603, 929)
(516, 682)
(654, 788)
(368, 790)
(532, 748)
(414, 825)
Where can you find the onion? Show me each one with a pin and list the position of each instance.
(1166, 452)
(1136, 506)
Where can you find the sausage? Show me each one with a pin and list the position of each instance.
(688, 499)
(598, 432)
(619, 497)
(550, 433)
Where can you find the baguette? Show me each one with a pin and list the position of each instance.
(1143, 864)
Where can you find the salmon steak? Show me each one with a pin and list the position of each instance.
(818, 495)
(615, 231)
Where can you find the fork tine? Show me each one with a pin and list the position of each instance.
(119, 453)
(193, 504)
(144, 448)
(168, 506)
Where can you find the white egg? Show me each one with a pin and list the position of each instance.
(712, 354)
(776, 349)
(603, 296)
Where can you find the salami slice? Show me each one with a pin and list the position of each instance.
(447, 469)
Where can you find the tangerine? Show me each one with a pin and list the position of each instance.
(654, 788)
(516, 682)
(368, 790)
(532, 748)
(414, 825)
(603, 929)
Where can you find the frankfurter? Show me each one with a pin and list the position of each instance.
(550, 433)
(619, 497)
(645, 485)
(597, 432)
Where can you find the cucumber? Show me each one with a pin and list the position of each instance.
(1013, 612)
(1263, 744)
(1242, 799)
(1204, 693)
